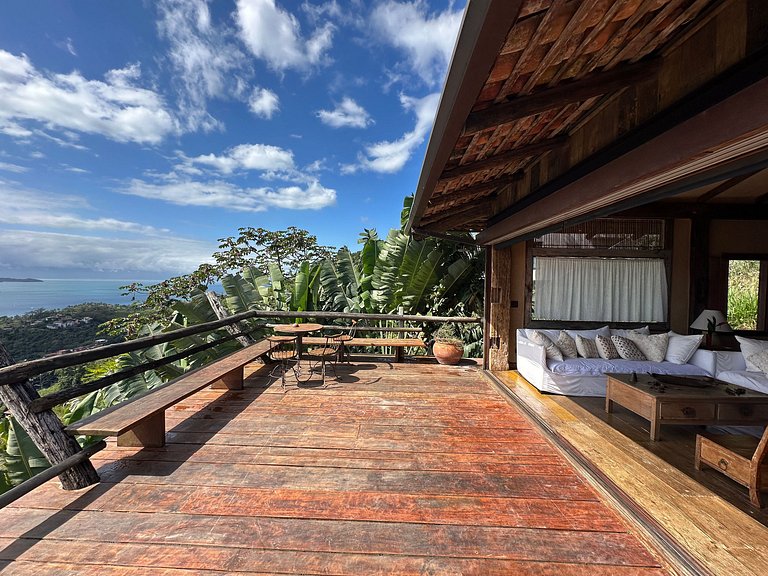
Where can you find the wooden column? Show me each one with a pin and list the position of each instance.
(499, 328)
(45, 430)
(699, 266)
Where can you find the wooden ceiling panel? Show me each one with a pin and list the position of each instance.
(563, 46)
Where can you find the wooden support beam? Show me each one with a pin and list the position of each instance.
(569, 92)
(455, 218)
(724, 187)
(501, 160)
(692, 209)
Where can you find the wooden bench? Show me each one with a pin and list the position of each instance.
(140, 421)
(741, 458)
(397, 343)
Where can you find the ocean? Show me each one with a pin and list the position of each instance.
(21, 297)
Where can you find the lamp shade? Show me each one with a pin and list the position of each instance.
(714, 316)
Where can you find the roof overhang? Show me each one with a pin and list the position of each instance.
(483, 31)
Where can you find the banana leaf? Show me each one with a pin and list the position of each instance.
(22, 458)
(241, 296)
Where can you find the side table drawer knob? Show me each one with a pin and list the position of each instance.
(723, 464)
(688, 412)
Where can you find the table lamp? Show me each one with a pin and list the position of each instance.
(709, 322)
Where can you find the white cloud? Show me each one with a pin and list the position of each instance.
(206, 61)
(347, 114)
(427, 39)
(120, 111)
(390, 156)
(246, 157)
(220, 194)
(42, 210)
(264, 102)
(274, 35)
(26, 249)
(8, 167)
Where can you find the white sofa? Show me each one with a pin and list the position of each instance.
(730, 367)
(586, 376)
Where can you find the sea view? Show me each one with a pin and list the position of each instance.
(22, 297)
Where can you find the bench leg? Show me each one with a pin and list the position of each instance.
(230, 381)
(149, 434)
(399, 354)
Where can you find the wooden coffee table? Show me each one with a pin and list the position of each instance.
(674, 403)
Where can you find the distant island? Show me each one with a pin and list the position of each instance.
(19, 280)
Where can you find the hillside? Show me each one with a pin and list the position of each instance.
(43, 332)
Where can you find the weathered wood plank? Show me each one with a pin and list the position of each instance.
(332, 536)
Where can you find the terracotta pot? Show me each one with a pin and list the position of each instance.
(447, 353)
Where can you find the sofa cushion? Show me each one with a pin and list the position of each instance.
(653, 346)
(627, 349)
(599, 366)
(682, 348)
(753, 380)
(586, 347)
(552, 351)
(567, 345)
(590, 334)
(624, 332)
(605, 348)
(550, 333)
(750, 347)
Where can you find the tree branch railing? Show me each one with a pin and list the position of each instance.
(23, 371)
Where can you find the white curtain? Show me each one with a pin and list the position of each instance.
(600, 289)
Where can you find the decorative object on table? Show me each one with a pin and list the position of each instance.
(448, 347)
(709, 322)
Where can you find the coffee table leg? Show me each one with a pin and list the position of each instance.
(608, 404)
(655, 426)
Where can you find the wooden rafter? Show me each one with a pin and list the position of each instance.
(592, 85)
(724, 187)
(500, 160)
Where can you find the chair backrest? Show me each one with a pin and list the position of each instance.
(283, 343)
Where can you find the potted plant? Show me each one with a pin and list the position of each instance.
(448, 347)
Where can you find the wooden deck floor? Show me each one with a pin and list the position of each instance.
(394, 469)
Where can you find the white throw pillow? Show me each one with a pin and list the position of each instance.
(681, 348)
(749, 347)
(761, 361)
(552, 351)
(567, 345)
(586, 347)
(653, 346)
(640, 330)
(548, 332)
(590, 334)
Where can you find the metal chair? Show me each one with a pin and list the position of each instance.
(328, 354)
(286, 353)
(343, 339)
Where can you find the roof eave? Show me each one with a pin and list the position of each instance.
(483, 32)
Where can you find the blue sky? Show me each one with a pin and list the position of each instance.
(135, 134)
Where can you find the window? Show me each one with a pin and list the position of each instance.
(605, 270)
(600, 289)
(746, 296)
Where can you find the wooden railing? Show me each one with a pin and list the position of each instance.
(71, 463)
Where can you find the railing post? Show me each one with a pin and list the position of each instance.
(45, 430)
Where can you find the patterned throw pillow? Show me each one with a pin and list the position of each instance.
(627, 349)
(586, 347)
(750, 347)
(653, 346)
(605, 348)
(760, 359)
(553, 352)
(567, 345)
